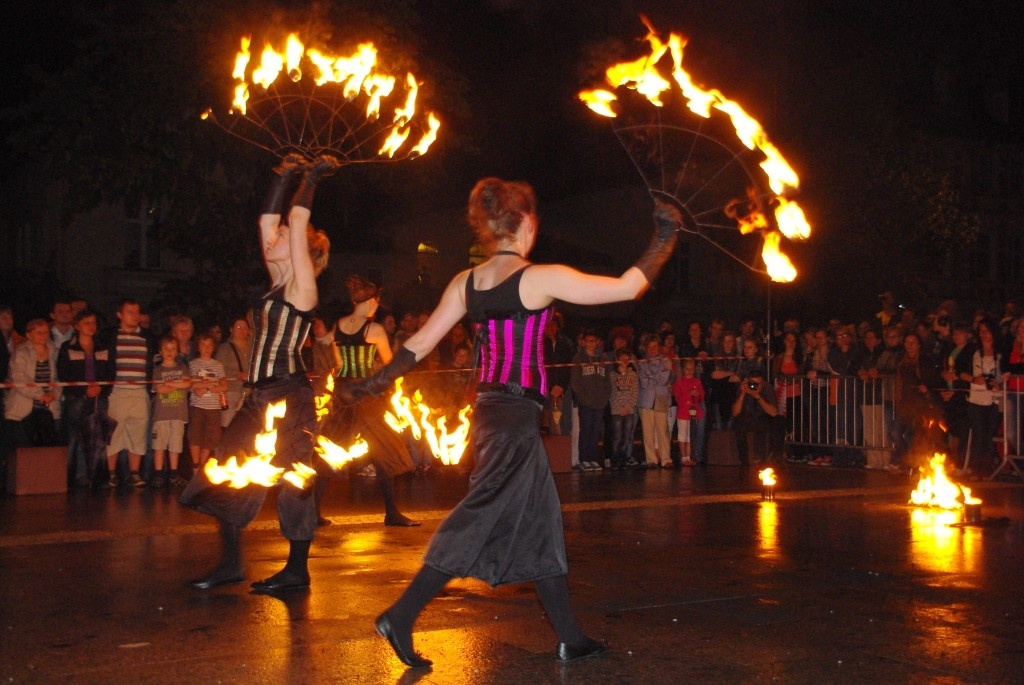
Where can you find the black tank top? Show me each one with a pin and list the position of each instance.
(357, 354)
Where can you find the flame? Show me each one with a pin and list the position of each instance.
(643, 76)
(767, 476)
(935, 489)
(337, 456)
(779, 267)
(444, 445)
(258, 469)
(356, 73)
(323, 400)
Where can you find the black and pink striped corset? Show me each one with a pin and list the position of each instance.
(510, 337)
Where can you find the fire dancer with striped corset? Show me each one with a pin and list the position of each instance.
(360, 342)
(508, 528)
(294, 254)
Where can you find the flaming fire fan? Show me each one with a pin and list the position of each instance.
(303, 100)
(666, 125)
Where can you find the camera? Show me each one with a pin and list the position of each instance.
(990, 381)
(752, 385)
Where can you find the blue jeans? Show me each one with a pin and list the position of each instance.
(623, 426)
(591, 420)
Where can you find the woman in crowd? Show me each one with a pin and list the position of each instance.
(983, 398)
(508, 528)
(32, 406)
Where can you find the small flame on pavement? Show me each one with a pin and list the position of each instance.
(767, 476)
(935, 489)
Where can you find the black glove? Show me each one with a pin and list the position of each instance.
(321, 167)
(286, 171)
(667, 222)
(380, 382)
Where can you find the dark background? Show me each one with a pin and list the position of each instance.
(864, 100)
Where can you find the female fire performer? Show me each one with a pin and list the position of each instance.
(508, 528)
(294, 254)
(360, 341)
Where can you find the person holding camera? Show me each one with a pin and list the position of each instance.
(983, 398)
(752, 413)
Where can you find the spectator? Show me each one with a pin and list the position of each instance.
(170, 412)
(654, 373)
(235, 353)
(752, 413)
(131, 355)
(1013, 368)
(786, 369)
(844, 399)
(590, 387)
(817, 402)
(83, 360)
(182, 329)
(326, 360)
(62, 328)
(873, 416)
(957, 371)
(625, 391)
(558, 354)
(982, 402)
(689, 394)
(915, 404)
(32, 406)
(724, 383)
(205, 401)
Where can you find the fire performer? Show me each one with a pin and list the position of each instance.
(360, 342)
(508, 528)
(294, 254)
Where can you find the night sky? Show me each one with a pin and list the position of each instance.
(817, 75)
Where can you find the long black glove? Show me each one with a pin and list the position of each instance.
(667, 222)
(322, 167)
(286, 171)
(380, 382)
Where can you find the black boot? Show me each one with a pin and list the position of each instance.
(294, 575)
(392, 516)
(229, 570)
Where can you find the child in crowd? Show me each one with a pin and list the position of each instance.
(208, 385)
(625, 393)
(170, 411)
(689, 393)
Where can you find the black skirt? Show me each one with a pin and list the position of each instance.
(296, 509)
(387, 449)
(508, 528)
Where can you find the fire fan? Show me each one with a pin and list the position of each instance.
(721, 188)
(306, 101)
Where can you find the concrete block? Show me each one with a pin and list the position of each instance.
(38, 471)
(559, 449)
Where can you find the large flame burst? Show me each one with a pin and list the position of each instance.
(717, 184)
(304, 100)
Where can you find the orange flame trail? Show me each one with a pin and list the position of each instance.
(644, 77)
(447, 446)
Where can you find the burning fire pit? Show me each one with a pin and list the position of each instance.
(936, 490)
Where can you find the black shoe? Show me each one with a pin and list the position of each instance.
(216, 578)
(281, 582)
(321, 522)
(387, 631)
(400, 520)
(589, 648)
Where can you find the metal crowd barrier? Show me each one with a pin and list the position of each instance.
(838, 411)
(1013, 408)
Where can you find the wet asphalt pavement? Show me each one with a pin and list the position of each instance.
(688, 575)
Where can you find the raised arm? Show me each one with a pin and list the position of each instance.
(548, 282)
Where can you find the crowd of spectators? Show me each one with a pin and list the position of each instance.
(867, 393)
